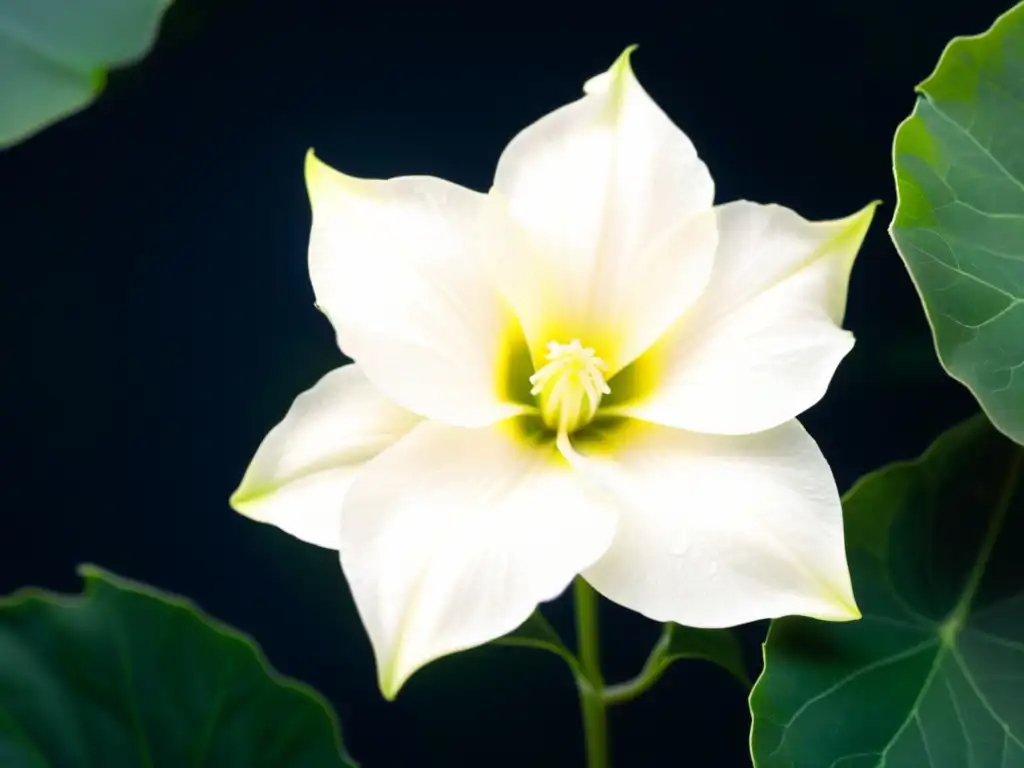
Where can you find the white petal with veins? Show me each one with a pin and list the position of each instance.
(304, 466)
(716, 531)
(452, 538)
(606, 187)
(762, 343)
(396, 267)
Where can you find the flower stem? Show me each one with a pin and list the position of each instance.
(632, 689)
(590, 683)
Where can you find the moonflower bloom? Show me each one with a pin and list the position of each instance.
(590, 370)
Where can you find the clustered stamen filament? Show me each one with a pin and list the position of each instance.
(569, 388)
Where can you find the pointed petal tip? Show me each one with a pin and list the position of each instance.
(319, 175)
(310, 171)
(313, 171)
(624, 57)
(838, 606)
(310, 161)
(868, 211)
(239, 497)
(324, 181)
(857, 226)
(390, 681)
(243, 501)
(613, 75)
(850, 612)
(862, 215)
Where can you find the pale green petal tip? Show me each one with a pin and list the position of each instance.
(616, 74)
(324, 181)
(857, 226)
(388, 690)
(245, 499)
(322, 177)
(835, 609)
(239, 500)
(867, 213)
(395, 670)
(622, 64)
(389, 682)
(842, 605)
(312, 171)
(849, 608)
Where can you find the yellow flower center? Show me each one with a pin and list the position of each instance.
(569, 388)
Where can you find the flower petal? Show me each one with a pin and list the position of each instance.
(395, 266)
(764, 340)
(604, 186)
(452, 538)
(304, 466)
(719, 530)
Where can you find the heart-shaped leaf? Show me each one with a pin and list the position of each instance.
(125, 676)
(933, 675)
(959, 221)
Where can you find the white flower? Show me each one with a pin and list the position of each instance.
(589, 370)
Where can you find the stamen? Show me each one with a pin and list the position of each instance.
(570, 386)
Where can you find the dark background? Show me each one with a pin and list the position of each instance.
(160, 318)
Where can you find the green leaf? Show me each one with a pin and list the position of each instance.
(125, 676)
(719, 646)
(536, 632)
(55, 54)
(933, 675)
(959, 221)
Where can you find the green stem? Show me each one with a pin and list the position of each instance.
(589, 682)
(632, 689)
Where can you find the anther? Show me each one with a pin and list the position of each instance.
(570, 386)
